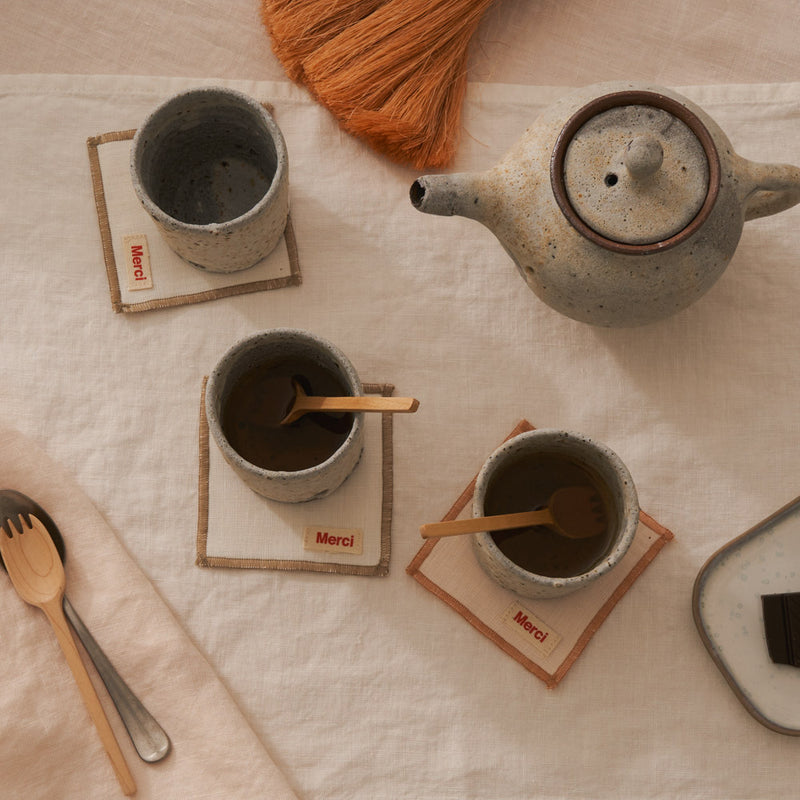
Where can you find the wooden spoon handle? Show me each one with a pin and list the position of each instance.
(361, 403)
(55, 614)
(496, 522)
(308, 403)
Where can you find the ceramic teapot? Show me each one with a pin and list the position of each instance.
(622, 204)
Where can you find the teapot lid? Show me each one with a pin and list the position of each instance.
(635, 171)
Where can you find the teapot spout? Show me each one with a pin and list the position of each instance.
(460, 194)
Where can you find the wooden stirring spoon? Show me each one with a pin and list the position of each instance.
(574, 511)
(35, 569)
(304, 404)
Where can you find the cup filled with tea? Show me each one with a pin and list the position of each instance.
(211, 168)
(286, 409)
(572, 505)
(251, 391)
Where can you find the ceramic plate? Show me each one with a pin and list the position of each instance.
(727, 611)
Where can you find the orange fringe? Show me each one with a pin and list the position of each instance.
(299, 27)
(393, 72)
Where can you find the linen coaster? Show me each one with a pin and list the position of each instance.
(143, 272)
(545, 636)
(347, 532)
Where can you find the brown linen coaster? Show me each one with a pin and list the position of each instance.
(545, 636)
(143, 272)
(348, 532)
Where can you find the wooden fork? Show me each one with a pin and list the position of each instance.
(35, 569)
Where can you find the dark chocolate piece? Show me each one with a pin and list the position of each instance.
(782, 627)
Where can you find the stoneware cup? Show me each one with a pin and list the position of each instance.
(599, 460)
(286, 486)
(210, 167)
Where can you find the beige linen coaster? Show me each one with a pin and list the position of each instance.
(545, 636)
(143, 272)
(348, 532)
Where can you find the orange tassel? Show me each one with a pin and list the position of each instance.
(393, 72)
(299, 27)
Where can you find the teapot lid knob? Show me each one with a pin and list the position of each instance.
(644, 156)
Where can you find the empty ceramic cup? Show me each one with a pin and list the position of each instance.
(210, 167)
(523, 474)
(251, 390)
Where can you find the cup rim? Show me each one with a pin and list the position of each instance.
(630, 520)
(230, 224)
(213, 416)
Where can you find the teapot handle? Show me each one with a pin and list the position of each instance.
(772, 188)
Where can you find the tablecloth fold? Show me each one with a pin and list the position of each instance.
(48, 746)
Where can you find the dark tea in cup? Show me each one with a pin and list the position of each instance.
(251, 390)
(527, 484)
(261, 398)
(524, 474)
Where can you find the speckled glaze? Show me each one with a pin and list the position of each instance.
(598, 457)
(301, 485)
(612, 216)
(211, 168)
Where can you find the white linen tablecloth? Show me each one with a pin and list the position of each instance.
(369, 687)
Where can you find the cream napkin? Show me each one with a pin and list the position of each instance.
(48, 745)
(160, 278)
(240, 529)
(545, 636)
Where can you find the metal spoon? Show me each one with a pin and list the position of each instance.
(148, 737)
